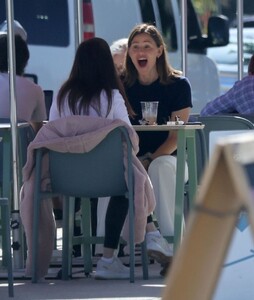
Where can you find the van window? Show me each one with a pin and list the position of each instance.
(147, 11)
(46, 22)
(166, 20)
(168, 24)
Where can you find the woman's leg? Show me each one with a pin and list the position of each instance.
(109, 266)
(162, 172)
(157, 246)
(115, 218)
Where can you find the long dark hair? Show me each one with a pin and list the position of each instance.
(165, 70)
(93, 70)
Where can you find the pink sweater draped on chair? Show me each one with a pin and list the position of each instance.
(77, 134)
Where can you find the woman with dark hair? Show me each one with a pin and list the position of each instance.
(149, 77)
(30, 97)
(239, 99)
(93, 87)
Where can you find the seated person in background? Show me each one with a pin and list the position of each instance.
(18, 29)
(118, 50)
(239, 99)
(29, 96)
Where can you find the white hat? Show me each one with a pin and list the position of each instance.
(18, 29)
(119, 46)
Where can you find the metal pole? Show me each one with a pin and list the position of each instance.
(78, 10)
(240, 57)
(17, 253)
(184, 36)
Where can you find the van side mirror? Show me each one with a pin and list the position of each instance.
(218, 31)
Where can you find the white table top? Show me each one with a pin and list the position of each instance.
(167, 127)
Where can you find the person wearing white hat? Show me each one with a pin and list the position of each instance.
(18, 29)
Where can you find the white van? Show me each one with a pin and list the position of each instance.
(226, 57)
(52, 40)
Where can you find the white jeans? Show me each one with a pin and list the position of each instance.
(162, 172)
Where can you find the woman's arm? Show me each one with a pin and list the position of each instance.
(170, 145)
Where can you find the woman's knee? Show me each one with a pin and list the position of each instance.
(163, 164)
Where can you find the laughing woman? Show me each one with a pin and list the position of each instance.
(149, 77)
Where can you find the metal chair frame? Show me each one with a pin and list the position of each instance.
(6, 236)
(97, 173)
(223, 122)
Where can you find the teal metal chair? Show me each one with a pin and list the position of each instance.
(97, 173)
(201, 161)
(223, 123)
(6, 238)
(213, 123)
(25, 135)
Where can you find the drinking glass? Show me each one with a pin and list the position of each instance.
(149, 112)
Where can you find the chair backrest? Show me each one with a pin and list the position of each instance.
(48, 95)
(97, 173)
(201, 152)
(249, 117)
(25, 135)
(223, 123)
(32, 77)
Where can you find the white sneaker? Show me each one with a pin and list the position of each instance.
(159, 249)
(114, 270)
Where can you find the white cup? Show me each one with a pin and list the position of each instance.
(149, 112)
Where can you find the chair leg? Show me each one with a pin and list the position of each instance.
(68, 223)
(36, 214)
(144, 260)
(35, 240)
(5, 212)
(131, 241)
(86, 230)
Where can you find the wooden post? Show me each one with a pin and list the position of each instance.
(225, 191)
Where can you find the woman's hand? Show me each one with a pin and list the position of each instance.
(146, 163)
(146, 160)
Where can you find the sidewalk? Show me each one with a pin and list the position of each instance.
(81, 287)
(235, 282)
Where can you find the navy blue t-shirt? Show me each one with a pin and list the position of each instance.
(171, 97)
